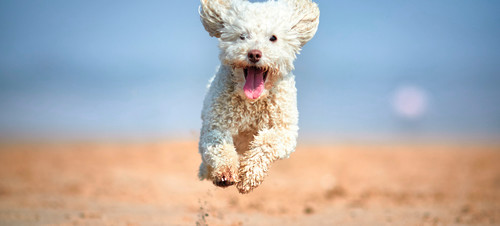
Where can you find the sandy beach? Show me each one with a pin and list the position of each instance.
(155, 184)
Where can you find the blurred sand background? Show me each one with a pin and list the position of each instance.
(155, 184)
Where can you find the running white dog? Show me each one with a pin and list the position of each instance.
(250, 111)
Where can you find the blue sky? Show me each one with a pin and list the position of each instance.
(131, 69)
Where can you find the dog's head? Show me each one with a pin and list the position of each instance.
(259, 41)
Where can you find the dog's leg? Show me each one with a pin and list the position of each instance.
(268, 146)
(220, 160)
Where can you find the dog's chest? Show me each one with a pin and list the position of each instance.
(253, 116)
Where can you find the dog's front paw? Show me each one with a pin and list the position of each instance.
(225, 177)
(245, 187)
(250, 179)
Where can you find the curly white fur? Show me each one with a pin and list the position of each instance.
(242, 136)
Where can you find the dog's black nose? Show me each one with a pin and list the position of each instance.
(254, 55)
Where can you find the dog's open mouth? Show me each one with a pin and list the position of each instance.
(255, 78)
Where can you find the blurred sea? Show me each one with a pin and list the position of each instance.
(385, 70)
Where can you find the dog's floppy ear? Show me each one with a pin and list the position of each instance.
(306, 19)
(211, 15)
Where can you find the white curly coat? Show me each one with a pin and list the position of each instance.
(242, 136)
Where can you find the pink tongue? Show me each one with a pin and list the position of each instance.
(254, 84)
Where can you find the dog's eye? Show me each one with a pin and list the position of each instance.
(242, 37)
(273, 38)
